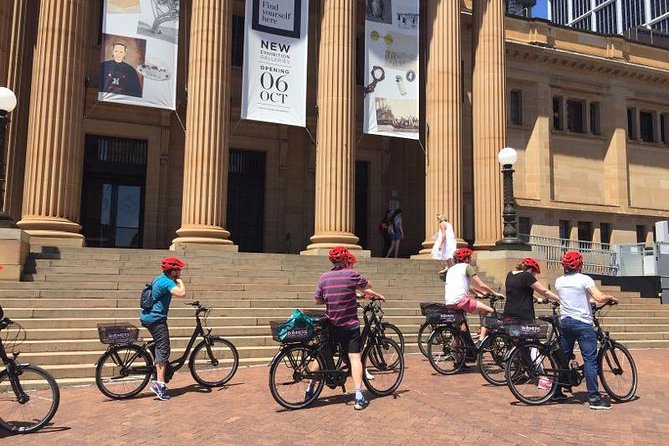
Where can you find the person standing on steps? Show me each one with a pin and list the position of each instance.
(445, 244)
(163, 288)
(386, 231)
(398, 232)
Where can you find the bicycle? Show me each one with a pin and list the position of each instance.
(305, 359)
(532, 361)
(29, 395)
(450, 344)
(126, 367)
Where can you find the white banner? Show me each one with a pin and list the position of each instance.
(139, 52)
(275, 61)
(392, 68)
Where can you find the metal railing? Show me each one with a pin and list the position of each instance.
(598, 258)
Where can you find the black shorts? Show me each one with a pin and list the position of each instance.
(348, 338)
(161, 338)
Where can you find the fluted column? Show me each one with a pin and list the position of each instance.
(335, 151)
(52, 191)
(489, 122)
(5, 38)
(443, 180)
(205, 189)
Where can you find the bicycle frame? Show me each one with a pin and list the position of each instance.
(12, 366)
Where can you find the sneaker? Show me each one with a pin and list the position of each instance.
(160, 391)
(361, 404)
(600, 404)
(368, 375)
(559, 396)
(545, 383)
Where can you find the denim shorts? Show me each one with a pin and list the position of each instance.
(161, 339)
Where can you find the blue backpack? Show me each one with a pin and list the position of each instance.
(146, 297)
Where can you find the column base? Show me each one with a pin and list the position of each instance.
(212, 238)
(14, 250)
(186, 244)
(329, 241)
(359, 253)
(52, 231)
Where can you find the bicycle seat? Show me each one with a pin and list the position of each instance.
(547, 318)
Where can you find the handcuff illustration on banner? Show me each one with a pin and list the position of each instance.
(379, 74)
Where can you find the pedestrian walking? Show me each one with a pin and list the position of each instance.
(398, 233)
(445, 244)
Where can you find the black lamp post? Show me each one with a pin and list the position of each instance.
(507, 158)
(7, 104)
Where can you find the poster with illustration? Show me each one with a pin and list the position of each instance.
(138, 57)
(392, 68)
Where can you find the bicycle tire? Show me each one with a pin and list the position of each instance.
(47, 392)
(495, 347)
(396, 332)
(441, 352)
(293, 359)
(523, 374)
(423, 336)
(387, 367)
(606, 371)
(132, 354)
(220, 355)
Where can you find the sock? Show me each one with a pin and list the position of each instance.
(160, 383)
(310, 386)
(358, 393)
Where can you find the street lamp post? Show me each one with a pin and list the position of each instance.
(507, 158)
(7, 104)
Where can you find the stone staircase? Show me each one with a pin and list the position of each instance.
(65, 294)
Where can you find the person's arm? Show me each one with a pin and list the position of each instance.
(539, 288)
(479, 285)
(364, 292)
(318, 295)
(179, 290)
(600, 297)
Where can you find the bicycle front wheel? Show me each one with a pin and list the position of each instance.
(30, 403)
(617, 372)
(492, 358)
(384, 364)
(213, 362)
(393, 332)
(531, 374)
(446, 350)
(291, 379)
(423, 335)
(123, 371)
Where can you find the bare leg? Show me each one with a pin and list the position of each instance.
(483, 310)
(356, 368)
(160, 372)
(397, 248)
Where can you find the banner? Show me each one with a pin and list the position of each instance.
(139, 52)
(391, 68)
(275, 61)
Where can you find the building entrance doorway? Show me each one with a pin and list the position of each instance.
(362, 202)
(246, 199)
(112, 200)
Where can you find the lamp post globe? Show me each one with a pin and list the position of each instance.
(7, 100)
(7, 104)
(507, 157)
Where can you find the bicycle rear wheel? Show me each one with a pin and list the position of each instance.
(492, 358)
(393, 332)
(446, 350)
(617, 372)
(31, 403)
(384, 363)
(423, 335)
(213, 363)
(123, 371)
(289, 376)
(531, 374)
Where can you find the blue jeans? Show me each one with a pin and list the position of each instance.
(572, 330)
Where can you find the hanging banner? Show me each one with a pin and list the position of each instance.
(139, 52)
(275, 61)
(392, 63)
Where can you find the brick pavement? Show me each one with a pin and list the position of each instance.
(428, 409)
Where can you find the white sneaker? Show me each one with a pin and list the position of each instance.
(368, 375)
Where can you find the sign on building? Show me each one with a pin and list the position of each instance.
(139, 52)
(392, 68)
(275, 61)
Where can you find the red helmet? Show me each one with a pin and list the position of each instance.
(530, 263)
(171, 263)
(341, 256)
(572, 260)
(463, 254)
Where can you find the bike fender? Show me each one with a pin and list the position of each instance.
(276, 355)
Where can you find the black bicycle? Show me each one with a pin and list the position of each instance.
(306, 361)
(126, 367)
(535, 370)
(29, 396)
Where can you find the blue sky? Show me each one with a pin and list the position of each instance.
(540, 9)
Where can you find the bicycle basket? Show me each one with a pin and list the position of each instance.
(429, 307)
(282, 333)
(13, 335)
(492, 322)
(117, 333)
(436, 313)
(536, 329)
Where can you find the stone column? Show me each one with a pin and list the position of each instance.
(443, 179)
(489, 110)
(6, 7)
(206, 155)
(52, 191)
(335, 150)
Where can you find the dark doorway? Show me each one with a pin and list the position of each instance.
(112, 198)
(361, 202)
(246, 199)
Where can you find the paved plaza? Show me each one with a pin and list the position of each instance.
(427, 409)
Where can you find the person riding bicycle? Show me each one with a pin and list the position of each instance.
(459, 278)
(337, 290)
(520, 287)
(163, 288)
(575, 290)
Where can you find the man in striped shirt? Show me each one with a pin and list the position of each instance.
(337, 290)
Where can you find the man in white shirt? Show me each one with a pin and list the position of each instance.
(575, 290)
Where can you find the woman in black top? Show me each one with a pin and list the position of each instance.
(520, 287)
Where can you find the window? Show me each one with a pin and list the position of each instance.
(557, 113)
(605, 234)
(575, 114)
(646, 126)
(584, 235)
(640, 234)
(360, 60)
(595, 128)
(516, 107)
(524, 226)
(664, 127)
(565, 232)
(237, 46)
(631, 123)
